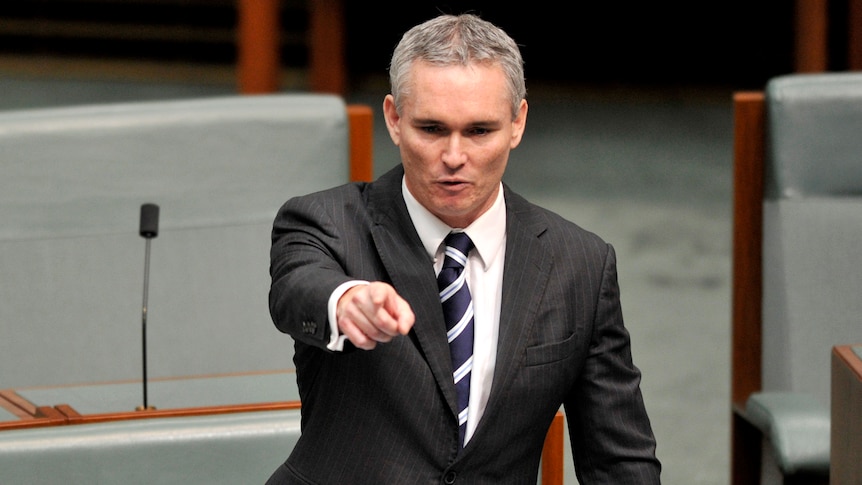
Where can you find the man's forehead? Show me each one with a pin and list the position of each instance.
(438, 103)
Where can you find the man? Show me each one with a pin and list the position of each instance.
(355, 283)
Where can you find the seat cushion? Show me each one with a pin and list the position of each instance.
(797, 427)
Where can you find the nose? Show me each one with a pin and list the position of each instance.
(454, 154)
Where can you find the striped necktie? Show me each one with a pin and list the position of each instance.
(458, 312)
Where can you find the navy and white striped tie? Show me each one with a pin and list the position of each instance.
(458, 312)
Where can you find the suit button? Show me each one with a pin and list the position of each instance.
(450, 477)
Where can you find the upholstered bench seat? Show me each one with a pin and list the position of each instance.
(234, 448)
(72, 261)
(797, 248)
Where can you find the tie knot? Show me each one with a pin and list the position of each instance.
(461, 243)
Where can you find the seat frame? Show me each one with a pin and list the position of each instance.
(749, 118)
(747, 277)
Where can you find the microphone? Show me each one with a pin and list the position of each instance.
(149, 220)
(149, 229)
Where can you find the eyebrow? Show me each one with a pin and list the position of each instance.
(433, 121)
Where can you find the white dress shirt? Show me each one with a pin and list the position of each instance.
(484, 278)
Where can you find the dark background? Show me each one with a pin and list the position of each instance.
(723, 43)
(737, 44)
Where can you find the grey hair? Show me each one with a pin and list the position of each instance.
(457, 40)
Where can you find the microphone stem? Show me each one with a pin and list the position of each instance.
(144, 317)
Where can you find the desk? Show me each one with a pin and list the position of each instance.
(185, 396)
(845, 468)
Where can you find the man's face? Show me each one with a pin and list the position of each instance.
(455, 131)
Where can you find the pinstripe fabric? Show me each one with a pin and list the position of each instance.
(390, 415)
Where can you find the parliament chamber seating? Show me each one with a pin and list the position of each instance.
(231, 448)
(72, 261)
(72, 277)
(796, 269)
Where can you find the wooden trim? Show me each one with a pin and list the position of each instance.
(811, 41)
(552, 452)
(846, 409)
(746, 291)
(49, 413)
(259, 53)
(327, 73)
(18, 405)
(258, 58)
(850, 360)
(15, 409)
(63, 414)
(29, 415)
(67, 411)
(74, 417)
(854, 35)
(361, 122)
(30, 423)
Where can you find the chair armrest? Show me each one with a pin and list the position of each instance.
(797, 427)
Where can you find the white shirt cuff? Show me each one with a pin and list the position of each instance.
(336, 339)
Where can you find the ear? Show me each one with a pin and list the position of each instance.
(519, 124)
(390, 114)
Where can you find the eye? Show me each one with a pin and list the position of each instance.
(431, 129)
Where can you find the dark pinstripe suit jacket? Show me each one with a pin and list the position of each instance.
(387, 416)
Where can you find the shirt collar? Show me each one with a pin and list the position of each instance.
(488, 232)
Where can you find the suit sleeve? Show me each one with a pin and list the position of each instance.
(611, 436)
(305, 268)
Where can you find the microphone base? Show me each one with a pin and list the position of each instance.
(142, 408)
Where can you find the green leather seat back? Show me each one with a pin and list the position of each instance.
(812, 265)
(72, 262)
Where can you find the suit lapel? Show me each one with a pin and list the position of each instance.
(527, 265)
(412, 273)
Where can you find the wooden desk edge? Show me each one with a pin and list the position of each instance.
(17, 405)
(846, 409)
(72, 416)
(29, 415)
(63, 414)
(850, 358)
